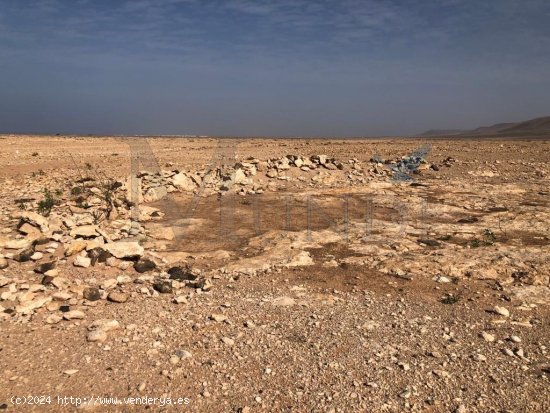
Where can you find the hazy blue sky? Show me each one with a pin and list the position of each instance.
(286, 67)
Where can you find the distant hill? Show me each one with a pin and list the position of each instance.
(440, 132)
(537, 126)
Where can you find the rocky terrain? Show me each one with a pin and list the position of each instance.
(268, 275)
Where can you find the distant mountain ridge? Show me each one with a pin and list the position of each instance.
(536, 126)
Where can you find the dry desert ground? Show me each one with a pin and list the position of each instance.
(274, 275)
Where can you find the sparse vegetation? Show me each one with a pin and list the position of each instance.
(488, 238)
(450, 299)
(45, 205)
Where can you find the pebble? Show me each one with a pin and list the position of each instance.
(81, 261)
(74, 315)
(91, 294)
(163, 287)
(228, 341)
(479, 357)
(117, 297)
(501, 311)
(53, 319)
(218, 317)
(487, 337)
(508, 352)
(96, 335)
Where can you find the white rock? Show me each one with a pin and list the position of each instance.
(125, 249)
(501, 311)
(81, 261)
(487, 337)
(283, 301)
(74, 315)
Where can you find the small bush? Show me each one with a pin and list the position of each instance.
(45, 205)
(450, 299)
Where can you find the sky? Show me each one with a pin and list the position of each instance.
(271, 68)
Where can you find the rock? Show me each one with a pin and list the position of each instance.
(404, 366)
(515, 339)
(96, 335)
(98, 254)
(283, 301)
(144, 265)
(501, 311)
(218, 317)
(37, 256)
(70, 372)
(429, 242)
(29, 306)
(239, 177)
(24, 255)
(442, 279)
(487, 337)
(180, 299)
(508, 352)
(228, 341)
(125, 249)
(183, 354)
(183, 182)
(74, 315)
(181, 273)
(53, 319)
(104, 324)
(460, 409)
(16, 244)
(45, 267)
(84, 231)
(479, 357)
(163, 287)
(60, 282)
(91, 294)
(30, 231)
(62, 296)
(117, 297)
(75, 247)
(155, 194)
(162, 233)
(3, 263)
(81, 261)
(35, 219)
